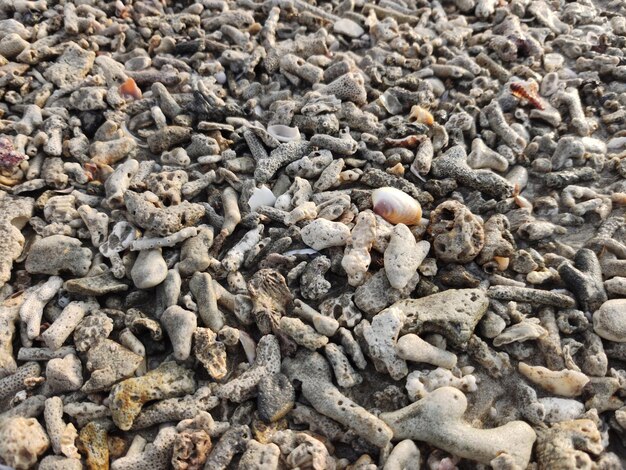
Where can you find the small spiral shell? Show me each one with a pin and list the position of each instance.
(396, 206)
(421, 115)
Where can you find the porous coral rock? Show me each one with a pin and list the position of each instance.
(458, 235)
(438, 419)
(14, 214)
(166, 381)
(22, 441)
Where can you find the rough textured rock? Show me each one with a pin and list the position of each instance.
(14, 214)
(453, 313)
(22, 441)
(609, 321)
(276, 397)
(58, 254)
(458, 235)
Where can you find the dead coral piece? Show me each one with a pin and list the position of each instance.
(312, 370)
(270, 298)
(210, 352)
(22, 441)
(57, 254)
(109, 362)
(161, 221)
(567, 383)
(14, 214)
(166, 381)
(155, 456)
(453, 314)
(458, 235)
(245, 386)
(568, 444)
(438, 420)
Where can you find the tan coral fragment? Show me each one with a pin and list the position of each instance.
(567, 383)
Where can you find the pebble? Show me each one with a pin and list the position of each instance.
(348, 28)
(276, 397)
(609, 321)
(149, 269)
(340, 192)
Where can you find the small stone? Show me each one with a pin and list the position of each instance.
(609, 321)
(64, 375)
(276, 397)
(102, 284)
(348, 28)
(149, 269)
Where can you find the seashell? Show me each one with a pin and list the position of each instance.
(396, 206)
(528, 91)
(502, 262)
(284, 133)
(129, 89)
(421, 115)
(262, 196)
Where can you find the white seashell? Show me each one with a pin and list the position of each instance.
(262, 196)
(301, 251)
(396, 207)
(284, 133)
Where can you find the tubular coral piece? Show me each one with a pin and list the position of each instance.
(313, 371)
(176, 409)
(231, 211)
(203, 289)
(325, 325)
(413, 348)
(567, 383)
(119, 181)
(438, 420)
(17, 381)
(167, 381)
(267, 362)
(584, 279)
(498, 124)
(302, 334)
(35, 300)
(65, 324)
(570, 98)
